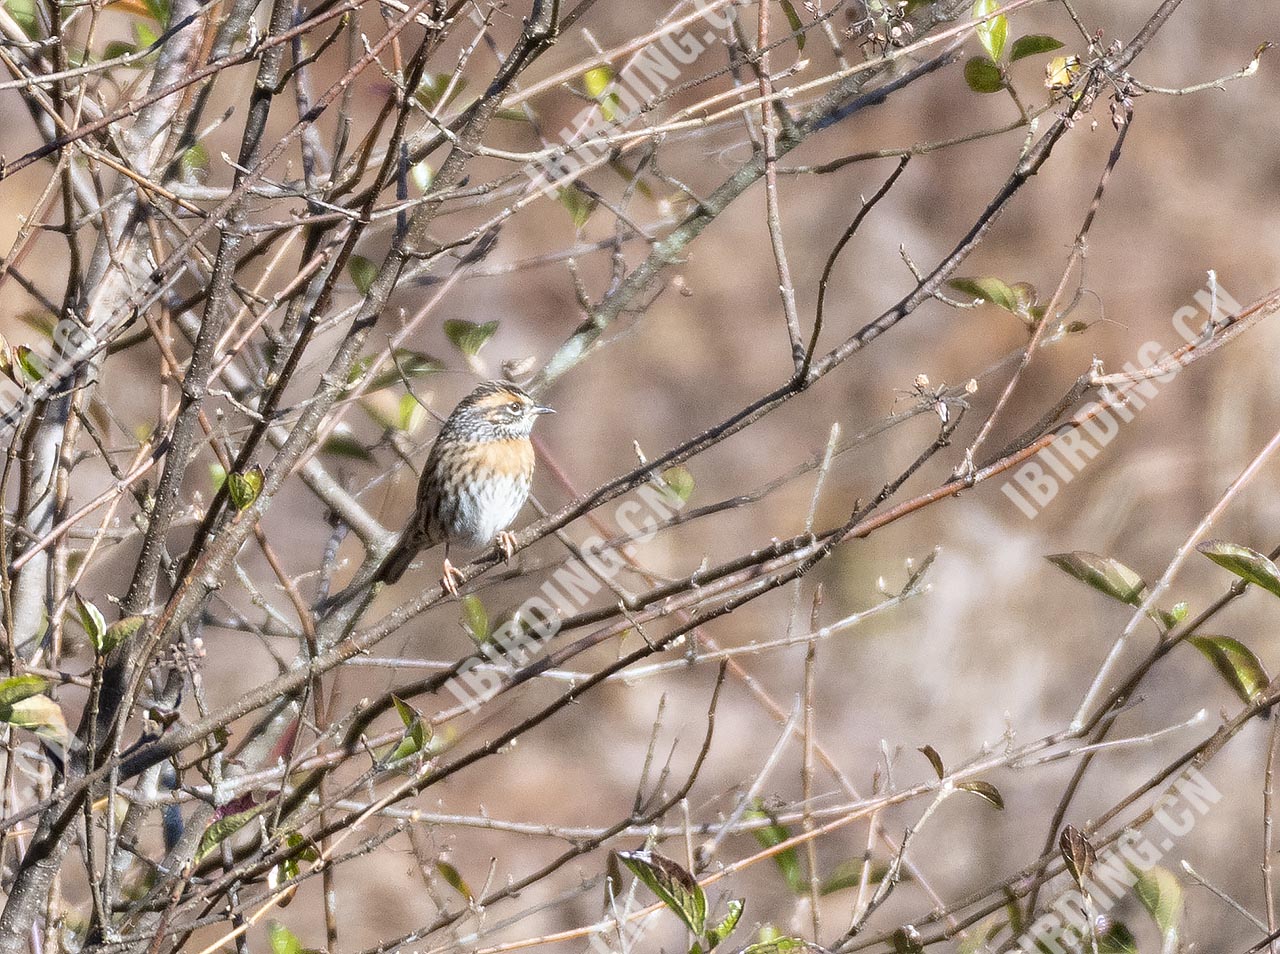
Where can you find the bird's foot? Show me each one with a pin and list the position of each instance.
(450, 578)
(507, 544)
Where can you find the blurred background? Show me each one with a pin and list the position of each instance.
(1002, 646)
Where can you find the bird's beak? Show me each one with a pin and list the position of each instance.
(539, 409)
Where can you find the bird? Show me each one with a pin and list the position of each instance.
(476, 479)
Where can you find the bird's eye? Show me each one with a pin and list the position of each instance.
(514, 407)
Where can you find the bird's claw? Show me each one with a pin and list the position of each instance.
(507, 544)
(450, 578)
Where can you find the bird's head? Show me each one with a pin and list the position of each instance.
(501, 409)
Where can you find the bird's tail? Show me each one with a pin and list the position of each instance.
(389, 571)
(399, 558)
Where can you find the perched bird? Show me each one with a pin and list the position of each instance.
(476, 479)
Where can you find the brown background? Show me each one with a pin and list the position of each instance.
(1002, 641)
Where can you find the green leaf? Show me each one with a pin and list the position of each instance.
(294, 840)
(24, 14)
(797, 25)
(1236, 662)
(781, 945)
(415, 739)
(1032, 44)
(597, 80)
(984, 790)
(41, 715)
(283, 941)
(993, 33)
(1104, 574)
(408, 715)
(678, 483)
(451, 875)
(195, 159)
(467, 336)
(417, 735)
(674, 886)
(145, 36)
(344, 444)
(433, 87)
(1161, 894)
(579, 204)
(1013, 911)
(983, 76)
(224, 828)
(16, 688)
(217, 476)
(1247, 564)
(94, 623)
(611, 106)
(410, 414)
(1171, 618)
(408, 365)
(1119, 940)
(42, 322)
(991, 290)
(120, 48)
(362, 271)
(118, 632)
(722, 930)
(31, 363)
(159, 10)
(244, 488)
(475, 618)
(848, 874)
(405, 365)
(788, 861)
